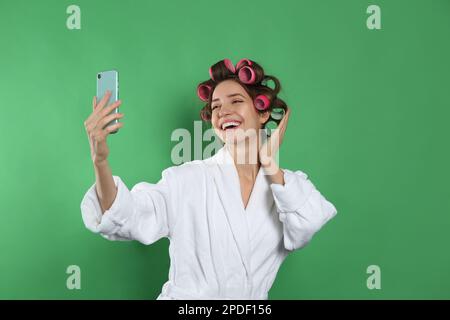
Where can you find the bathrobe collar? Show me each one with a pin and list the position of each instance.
(226, 178)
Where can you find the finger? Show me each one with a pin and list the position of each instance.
(274, 135)
(272, 144)
(110, 108)
(282, 123)
(283, 130)
(102, 123)
(89, 119)
(113, 127)
(279, 134)
(104, 100)
(288, 109)
(95, 117)
(94, 103)
(284, 120)
(109, 129)
(288, 113)
(95, 120)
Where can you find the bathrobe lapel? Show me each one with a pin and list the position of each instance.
(227, 182)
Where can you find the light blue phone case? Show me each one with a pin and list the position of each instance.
(109, 80)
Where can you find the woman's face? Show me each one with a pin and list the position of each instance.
(232, 104)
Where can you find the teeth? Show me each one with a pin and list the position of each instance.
(231, 123)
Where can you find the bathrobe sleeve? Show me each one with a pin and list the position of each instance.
(302, 209)
(142, 214)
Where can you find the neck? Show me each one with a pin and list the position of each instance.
(246, 159)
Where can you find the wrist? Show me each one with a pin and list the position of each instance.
(101, 164)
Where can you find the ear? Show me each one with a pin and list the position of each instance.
(264, 117)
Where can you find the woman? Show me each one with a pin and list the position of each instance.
(231, 222)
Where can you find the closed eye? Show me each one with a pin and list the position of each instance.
(216, 106)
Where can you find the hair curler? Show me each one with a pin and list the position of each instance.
(243, 62)
(261, 102)
(247, 75)
(203, 91)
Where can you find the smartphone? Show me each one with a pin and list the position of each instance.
(109, 80)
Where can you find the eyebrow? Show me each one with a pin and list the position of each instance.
(230, 95)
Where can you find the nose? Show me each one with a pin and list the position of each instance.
(225, 109)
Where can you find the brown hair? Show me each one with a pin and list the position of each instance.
(221, 73)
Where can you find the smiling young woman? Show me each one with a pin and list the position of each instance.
(232, 218)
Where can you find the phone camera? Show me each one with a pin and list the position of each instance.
(99, 76)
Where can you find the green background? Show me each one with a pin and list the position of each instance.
(369, 125)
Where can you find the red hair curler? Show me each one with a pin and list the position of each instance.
(229, 65)
(261, 102)
(242, 62)
(203, 91)
(247, 75)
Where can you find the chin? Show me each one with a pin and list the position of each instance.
(240, 137)
(234, 140)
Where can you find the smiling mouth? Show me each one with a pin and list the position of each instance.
(232, 125)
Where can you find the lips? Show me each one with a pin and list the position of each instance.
(230, 125)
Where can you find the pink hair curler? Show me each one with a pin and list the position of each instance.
(242, 62)
(247, 75)
(211, 74)
(203, 91)
(262, 102)
(229, 65)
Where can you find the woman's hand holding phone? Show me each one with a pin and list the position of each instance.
(97, 129)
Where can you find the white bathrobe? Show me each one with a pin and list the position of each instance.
(218, 249)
